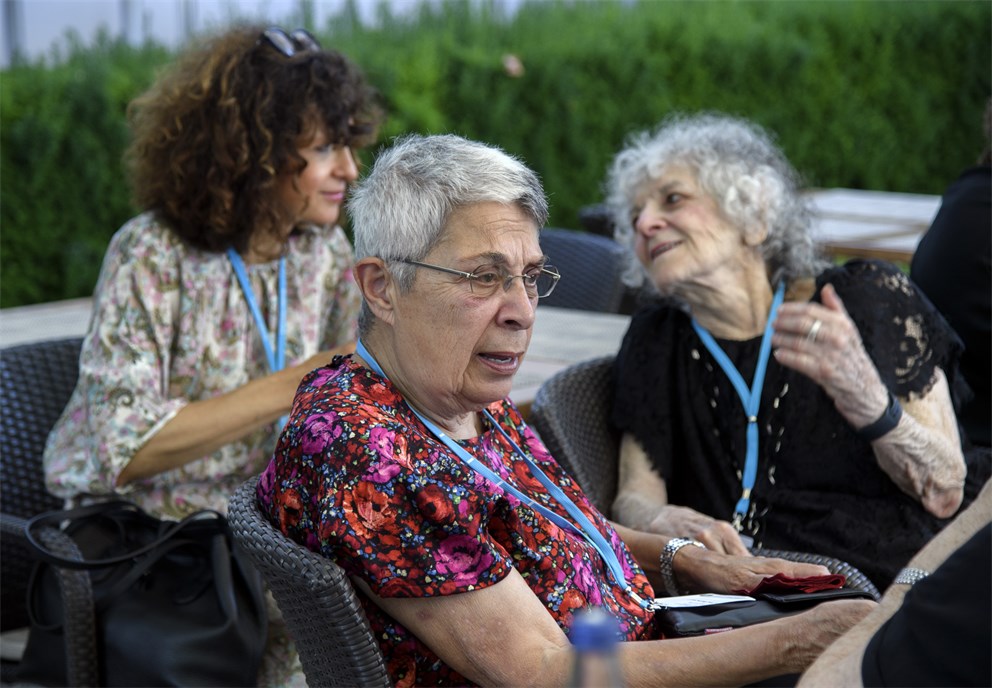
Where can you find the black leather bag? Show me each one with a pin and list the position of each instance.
(690, 621)
(175, 602)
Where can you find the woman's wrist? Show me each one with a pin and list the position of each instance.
(666, 564)
(884, 424)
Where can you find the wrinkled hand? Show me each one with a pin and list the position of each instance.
(718, 536)
(701, 570)
(831, 354)
(814, 630)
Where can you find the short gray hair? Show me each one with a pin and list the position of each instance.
(738, 164)
(400, 210)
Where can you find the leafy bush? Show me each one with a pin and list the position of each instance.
(861, 94)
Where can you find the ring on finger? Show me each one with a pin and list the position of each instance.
(813, 331)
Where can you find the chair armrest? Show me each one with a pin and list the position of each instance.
(77, 600)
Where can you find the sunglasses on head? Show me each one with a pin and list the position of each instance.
(289, 44)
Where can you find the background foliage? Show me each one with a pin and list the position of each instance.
(862, 94)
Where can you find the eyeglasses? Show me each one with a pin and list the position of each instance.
(485, 280)
(289, 44)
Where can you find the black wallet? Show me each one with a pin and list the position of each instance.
(689, 621)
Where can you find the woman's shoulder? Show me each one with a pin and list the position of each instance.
(900, 328)
(143, 235)
(868, 284)
(655, 323)
(345, 385)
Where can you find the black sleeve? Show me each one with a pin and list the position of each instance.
(942, 633)
(905, 336)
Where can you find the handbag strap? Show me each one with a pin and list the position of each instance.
(55, 518)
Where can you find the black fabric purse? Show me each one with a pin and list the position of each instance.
(175, 603)
(690, 621)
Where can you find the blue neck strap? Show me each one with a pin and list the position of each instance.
(585, 528)
(277, 357)
(750, 399)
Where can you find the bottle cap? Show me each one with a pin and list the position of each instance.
(593, 629)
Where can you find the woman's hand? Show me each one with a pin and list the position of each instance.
(642, 503)
(702, 570)
(815, 630)
(922, 454)
(823, 343)
(680, 521)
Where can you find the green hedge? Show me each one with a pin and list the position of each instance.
(862, 94)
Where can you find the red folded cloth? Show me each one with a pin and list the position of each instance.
(782, 583)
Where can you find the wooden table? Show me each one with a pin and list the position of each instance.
(563, 336)
(871, 224)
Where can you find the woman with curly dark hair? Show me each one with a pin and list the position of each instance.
(234, 282)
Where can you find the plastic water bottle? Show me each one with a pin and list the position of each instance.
(594, 642)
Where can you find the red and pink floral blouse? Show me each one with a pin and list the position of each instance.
(357, 477)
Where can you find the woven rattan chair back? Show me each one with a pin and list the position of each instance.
(591, 267)
(36, 381)
(316, 598)
(571, 414)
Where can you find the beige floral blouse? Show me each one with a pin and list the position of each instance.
(170, 326)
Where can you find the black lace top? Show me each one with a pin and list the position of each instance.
(819, 488)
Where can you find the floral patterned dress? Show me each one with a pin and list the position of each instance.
(171, 326)
(357, 477)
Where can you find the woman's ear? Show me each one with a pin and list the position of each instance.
(376, 284)
(755, 233)
(753, 192)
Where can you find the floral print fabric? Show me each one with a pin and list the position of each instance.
(357, 477)
(171, 326)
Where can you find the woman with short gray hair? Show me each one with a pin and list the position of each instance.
(408, 464)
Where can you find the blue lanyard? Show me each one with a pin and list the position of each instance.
(277, 358)
(750, 399)
(585, 527)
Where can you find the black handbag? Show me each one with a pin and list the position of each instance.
(175, 603)
(689, 621)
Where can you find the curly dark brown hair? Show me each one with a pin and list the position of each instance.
(218, 128)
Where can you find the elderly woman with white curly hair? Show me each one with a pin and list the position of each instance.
(770, 398)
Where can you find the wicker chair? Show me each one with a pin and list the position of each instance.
(591, 267)
(571, 414)
(316, 598)
(36, 381)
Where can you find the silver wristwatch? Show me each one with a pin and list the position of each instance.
(666, 559)
(909, 576)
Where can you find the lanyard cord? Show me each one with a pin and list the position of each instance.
(277, 358)
(585, 527)
(750, 398)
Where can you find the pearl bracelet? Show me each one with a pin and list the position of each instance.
(665, 563)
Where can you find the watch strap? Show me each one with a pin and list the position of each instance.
(885, 423)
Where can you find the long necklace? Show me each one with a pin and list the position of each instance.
(750, 399)
(585, 528)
